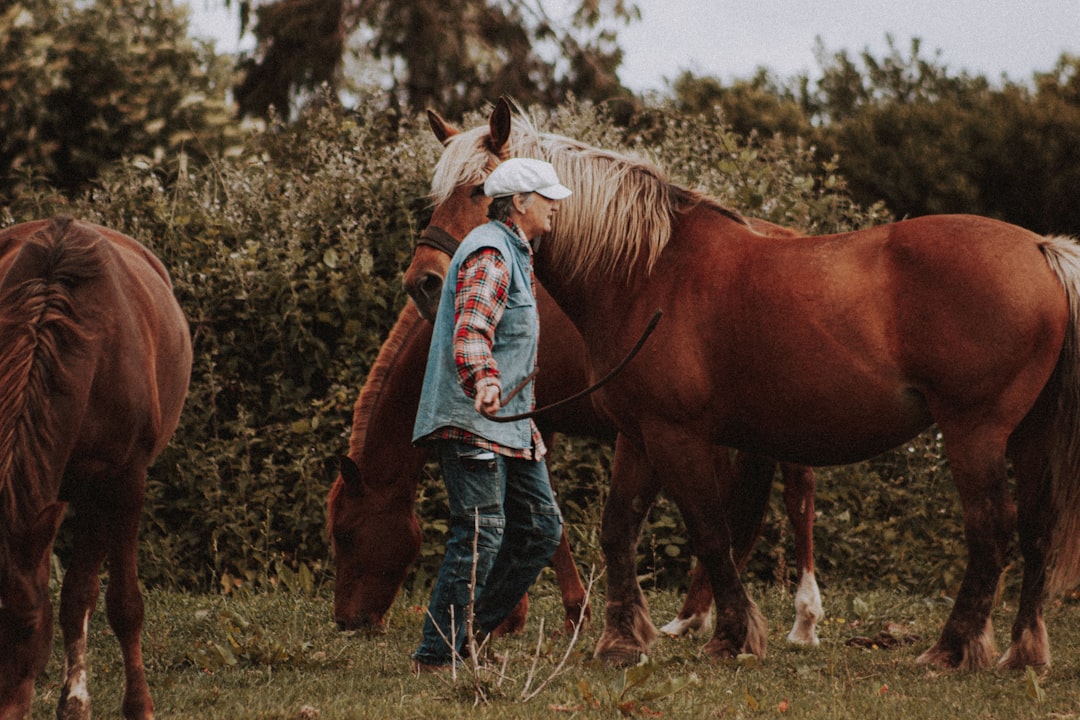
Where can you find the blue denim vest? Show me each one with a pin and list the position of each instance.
(442, 400)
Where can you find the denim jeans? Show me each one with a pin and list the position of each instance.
(512, 503)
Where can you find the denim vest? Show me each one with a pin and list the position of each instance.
(442, 400)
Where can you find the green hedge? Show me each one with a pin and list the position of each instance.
(287, 257)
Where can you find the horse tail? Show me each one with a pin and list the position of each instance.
(38, 325)
(1063, 256)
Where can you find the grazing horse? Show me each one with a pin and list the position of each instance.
(864, 338)
(95, 358)
(374, 496)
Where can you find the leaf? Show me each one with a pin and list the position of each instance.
(671, 686)
(638, 674)
(1034, 690)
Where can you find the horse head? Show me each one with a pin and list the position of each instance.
(375, 542)
(26, 619)
(460, 203)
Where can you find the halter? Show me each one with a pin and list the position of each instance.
(439, 239)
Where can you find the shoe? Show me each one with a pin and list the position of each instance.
(419, 668)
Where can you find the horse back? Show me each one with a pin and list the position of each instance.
(852, 339)
(125, 358)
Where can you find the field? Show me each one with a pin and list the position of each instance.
(279, 656)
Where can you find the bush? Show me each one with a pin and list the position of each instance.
(287, 259)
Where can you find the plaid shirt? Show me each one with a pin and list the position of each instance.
(479, 301)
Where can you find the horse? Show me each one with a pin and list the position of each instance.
(373, 496)
(95, 360)
(866, 338)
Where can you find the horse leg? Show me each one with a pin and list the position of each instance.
(696, 612)
(799, 503)
(78, 598)
(979, 472)
(628, 631)
(123, 600)
(1030, 645)
(515, 621)
(574, 600)
(720, 531)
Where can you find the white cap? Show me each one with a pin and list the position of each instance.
(525, 175)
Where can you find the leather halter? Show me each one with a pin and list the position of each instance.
(437, 238)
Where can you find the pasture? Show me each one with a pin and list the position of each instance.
(278, 656)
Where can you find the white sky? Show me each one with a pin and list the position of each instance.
(731, 38)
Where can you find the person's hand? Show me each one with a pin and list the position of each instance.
(488, 399)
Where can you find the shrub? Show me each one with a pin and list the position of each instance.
(287, 258)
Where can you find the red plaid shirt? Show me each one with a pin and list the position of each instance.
(479, 302)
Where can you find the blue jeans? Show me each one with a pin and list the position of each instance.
(519, 528)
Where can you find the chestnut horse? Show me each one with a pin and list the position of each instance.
(94, 369)
(374, 496)
(864, 338)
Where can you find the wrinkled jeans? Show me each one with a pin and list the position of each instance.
(519, 528)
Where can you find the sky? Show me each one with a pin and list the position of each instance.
(730, 39)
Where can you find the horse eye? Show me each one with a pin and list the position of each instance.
(477, 191)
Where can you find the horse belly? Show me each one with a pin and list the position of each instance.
(824, 425)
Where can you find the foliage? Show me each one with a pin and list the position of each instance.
(486, 48)
(287, 258)
(86, 84)
(905, 130)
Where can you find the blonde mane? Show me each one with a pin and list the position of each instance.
(620, 214)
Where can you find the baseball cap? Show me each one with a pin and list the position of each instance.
(525, 175)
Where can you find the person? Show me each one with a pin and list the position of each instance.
(484, 344)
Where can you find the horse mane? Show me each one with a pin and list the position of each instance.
(408, 322)
(622, 208)
(38, 326)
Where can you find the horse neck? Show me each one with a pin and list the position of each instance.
(380, 443)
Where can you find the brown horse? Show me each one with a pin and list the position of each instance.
(94, 369)
(865, 338)
(374, 496)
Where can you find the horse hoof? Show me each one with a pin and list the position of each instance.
(720, 650)
(618, 656)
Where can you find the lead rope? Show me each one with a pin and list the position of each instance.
(582, 393)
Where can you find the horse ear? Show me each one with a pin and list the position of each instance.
(442, 129)
(40, 539)
(350, 473)
(499, 125)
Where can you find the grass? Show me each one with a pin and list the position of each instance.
(279, 656)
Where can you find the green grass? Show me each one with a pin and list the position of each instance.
(279, 656)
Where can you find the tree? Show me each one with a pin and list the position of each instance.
(452, 56)
(82, 85)
(759, 104)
